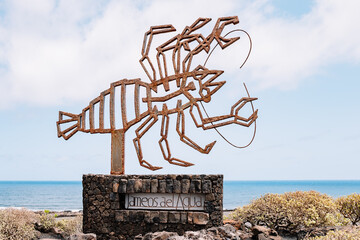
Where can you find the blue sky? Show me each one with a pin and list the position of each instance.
(304, 69)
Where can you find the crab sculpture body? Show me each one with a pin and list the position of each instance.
(195, 84)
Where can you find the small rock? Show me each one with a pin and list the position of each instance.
(162, 186)
(177, 186)
(183, 217)
(262, 236)
(146, 185)
(82, 236)
(163, 235)
(56, 230)
(235, 223)
(122, 186)
(138, 237)
(248, 225)
(174, 217)
(169, 186)
(243, 235)
(257, 230)
(200, 218)
(190, 217)
(265, 233)
(226, 231)
(129, 186)
(154, 185)
(192, 235)
(115, 187)
(213, 230)
(185, 185)
(163, 216)
(138, 185)
(206, 186)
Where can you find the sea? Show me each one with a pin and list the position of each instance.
(67, 195)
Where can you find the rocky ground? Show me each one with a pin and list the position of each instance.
(227, 231)
(231, 230)
(237, 231)
(55, 233)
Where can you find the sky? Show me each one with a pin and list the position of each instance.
(304, 69)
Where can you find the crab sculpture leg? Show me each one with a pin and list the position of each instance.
(140, 131)
(180, 129)
(164, 144)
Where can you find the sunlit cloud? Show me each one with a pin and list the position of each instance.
(289, 50)
(54, 52)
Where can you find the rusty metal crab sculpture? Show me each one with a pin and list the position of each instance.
(197, 85)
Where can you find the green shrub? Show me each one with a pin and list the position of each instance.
(67, 227)
(17, 224)
(349, 206)
(47, 221)
(345, 234)
(70, 226)
(291, 211)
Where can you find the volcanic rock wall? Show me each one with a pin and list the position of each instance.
(108, 215)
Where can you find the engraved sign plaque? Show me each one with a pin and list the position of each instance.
(165, 201)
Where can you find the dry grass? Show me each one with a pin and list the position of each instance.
(70, 226)
(66, 226)
(17, 224)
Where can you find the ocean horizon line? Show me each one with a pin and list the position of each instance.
(63, 195)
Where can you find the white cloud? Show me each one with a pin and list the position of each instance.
(55, 51)
(288, 50)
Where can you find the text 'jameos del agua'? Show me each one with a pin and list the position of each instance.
(165, 201)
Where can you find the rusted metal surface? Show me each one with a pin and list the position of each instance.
(195, 84)
(117, 157)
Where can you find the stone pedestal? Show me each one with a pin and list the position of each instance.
(121, 207)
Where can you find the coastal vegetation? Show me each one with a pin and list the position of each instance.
(291, 211)
(25, 224)
(349, 207)
(17, 224)
(50, 222)
(288, 213)
(294, 211)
